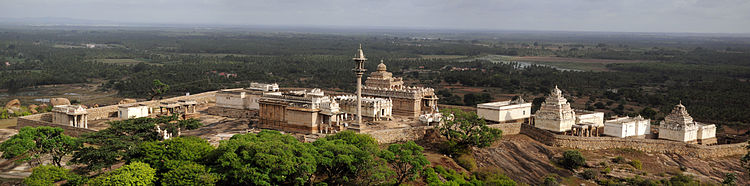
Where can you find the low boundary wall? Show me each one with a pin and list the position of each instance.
(36, 121)
(508, 128)
(111, 110)
(646, 145)
(399, 135)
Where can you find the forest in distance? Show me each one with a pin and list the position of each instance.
(707, 73)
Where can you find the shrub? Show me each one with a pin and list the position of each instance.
(618, 159)
(135, 173)
(573, 159)
(550, 180)
(589, 174)
(493, 176)
(730, 179)
(636, 164)
(467, 161)
(607, 170)
(49, 174)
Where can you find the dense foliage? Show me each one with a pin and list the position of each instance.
(572, 159)
(135, 173)
(265, 158)
(465, 129)
(109, 146)
(33, 143)
(48, 174)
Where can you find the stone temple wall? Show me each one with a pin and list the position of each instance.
(232, 112)
(36, 121)
(646, 145)
(508, 128)
(399, 135)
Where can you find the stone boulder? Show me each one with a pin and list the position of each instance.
(13, 104)
(43, 106)
(59, 101)
(33, 109)
(127, 100)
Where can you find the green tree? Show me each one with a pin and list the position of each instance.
(135, 173)
(189, 174)
(162, 154)
(345, 156)
(49, 174)
(186, 124)
(572, 159)
(266, 158)
(406, 159)
(158, 88)
(32, 143)
(463, 129)
(648, 113)
(110, 145)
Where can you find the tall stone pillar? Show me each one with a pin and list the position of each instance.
(359, 70)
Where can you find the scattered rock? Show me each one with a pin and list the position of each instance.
(13, 104)
(10, 111)
(32, 106)
(59, 101)
(127, 100)
(33, 111)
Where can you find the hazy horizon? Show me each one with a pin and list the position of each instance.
(668, 16)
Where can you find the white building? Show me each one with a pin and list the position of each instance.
(264, 87)
(679, 126)
(70, 115)
(245, 98)
(374, 108)
(555, 113)
(512, 111)
(133, 111)
(594, 118)
(627, 126)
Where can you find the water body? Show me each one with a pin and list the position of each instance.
(519, 64)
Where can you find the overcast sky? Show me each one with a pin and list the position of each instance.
(715, 16)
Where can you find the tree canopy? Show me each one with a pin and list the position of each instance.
(266, 158)
(406, 159)
(135, 173)
(32, 143)
(464, 129)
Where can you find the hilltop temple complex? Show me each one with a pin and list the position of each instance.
(387, 109)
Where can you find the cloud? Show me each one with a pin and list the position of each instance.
(587, 15)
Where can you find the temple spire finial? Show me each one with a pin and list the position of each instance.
(360, 55)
